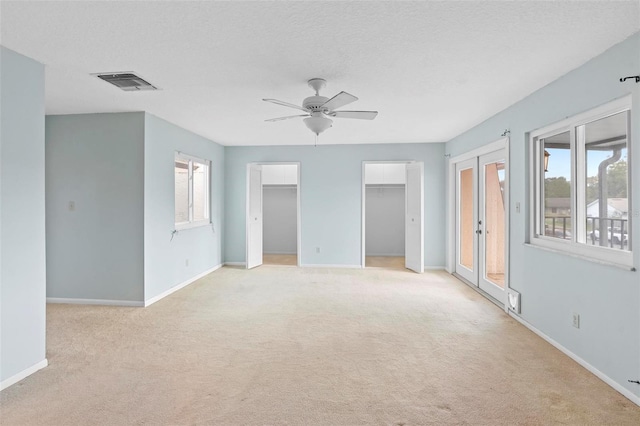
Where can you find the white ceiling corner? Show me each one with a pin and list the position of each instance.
(431, 69)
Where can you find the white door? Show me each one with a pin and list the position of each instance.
(254, 216)
(414, 213)
(466, 220)
(492, 229)
(481, 224)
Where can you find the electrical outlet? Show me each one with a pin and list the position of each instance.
(317, 249)
(576, 320)
(72, 206)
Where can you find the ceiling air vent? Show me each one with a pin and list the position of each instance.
(127, 81)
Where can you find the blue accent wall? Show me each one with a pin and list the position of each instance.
(553, 285)
(165, 258)
(22, 215)
(331, 197)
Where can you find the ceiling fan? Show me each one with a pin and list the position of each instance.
(319, 108)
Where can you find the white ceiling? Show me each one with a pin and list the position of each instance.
(431, 69)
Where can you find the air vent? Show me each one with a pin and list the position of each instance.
(127, 81)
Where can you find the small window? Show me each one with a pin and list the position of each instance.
(581, 186)
(191, 191)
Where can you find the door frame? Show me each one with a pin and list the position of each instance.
(298, 215)
(502, 143)
(363, 253)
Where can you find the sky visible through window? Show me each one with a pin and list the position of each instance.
(560, 162)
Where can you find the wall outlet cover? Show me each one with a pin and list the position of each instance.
(513, 301)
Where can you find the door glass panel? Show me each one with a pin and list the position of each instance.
(494, 222)
(467, 229)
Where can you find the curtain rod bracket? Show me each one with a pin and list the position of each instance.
(635, 77)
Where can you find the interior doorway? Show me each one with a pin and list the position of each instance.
(392, 211)
(481, 222)
(273, 219)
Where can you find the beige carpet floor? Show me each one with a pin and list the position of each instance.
(307, 346)
(280, 259)
(395, 262)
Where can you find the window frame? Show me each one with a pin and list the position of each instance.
(191, 223)
(577, 245)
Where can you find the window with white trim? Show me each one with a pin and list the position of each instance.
(581, 184)
(191, 176)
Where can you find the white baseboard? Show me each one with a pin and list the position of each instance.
(23, 374)
(608, 380)
(324, 265)
(434, 268)
(280, 252)
(105, 302)
(180, 286)
(235, 263)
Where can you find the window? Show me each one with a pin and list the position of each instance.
(581, 184)
(191, 176)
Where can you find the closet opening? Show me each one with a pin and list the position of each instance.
(392, 215)
(280, 214)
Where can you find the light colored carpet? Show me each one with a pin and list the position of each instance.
(280, 259)
(282, 345)
(396, 262)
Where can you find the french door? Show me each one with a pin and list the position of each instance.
(481, 222)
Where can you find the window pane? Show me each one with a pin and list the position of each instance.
(200, 191)
(182, 190)
(557, 185)
(607, 205)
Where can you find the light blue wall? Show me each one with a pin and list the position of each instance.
(554, 285)
(96, 250)
(331, 197)
(22, 214)
(164, 258)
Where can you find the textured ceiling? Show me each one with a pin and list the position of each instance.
(431, 69)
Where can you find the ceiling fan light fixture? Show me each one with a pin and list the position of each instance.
(318, 124)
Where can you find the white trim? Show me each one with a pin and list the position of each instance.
(608, 380)
(190, 225)
(180, 286)
(484, 149)
(298, 213)
(23, 374)
(575, 247)
(502, 143)
(324, 265)
(435, 268)
(363, 202)
(235, 264)
(579, 256)
(103, 302)
(593, 114)
(280, 252)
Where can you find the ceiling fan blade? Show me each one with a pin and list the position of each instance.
(287, 117)
(339, 100)
(287, 104)
(362, 115)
